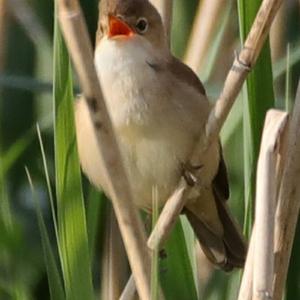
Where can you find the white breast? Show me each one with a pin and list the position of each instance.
(121, 67)
(154, 129)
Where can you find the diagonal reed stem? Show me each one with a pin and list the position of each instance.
(76, 36)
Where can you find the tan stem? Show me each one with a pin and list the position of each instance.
(164, 224)
(114, 261)
(265, 204)
(203, 29)
(246, 288)
(134, 237)
(288, 203)
(258, 261)
(129, 291)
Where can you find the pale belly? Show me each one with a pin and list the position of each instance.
(156, 127)
(155, 163)
(153, 157)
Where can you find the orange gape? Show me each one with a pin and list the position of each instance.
(118, 27)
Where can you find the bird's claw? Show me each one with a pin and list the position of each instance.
(189, 173)
(162, 254)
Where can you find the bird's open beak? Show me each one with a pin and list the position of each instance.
(118, 27)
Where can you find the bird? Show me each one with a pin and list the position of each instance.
(158, 108)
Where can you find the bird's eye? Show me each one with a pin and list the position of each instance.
(141, 25)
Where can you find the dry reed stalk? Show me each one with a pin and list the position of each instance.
(278, 33)
(233, 84)
(265, 204)
(173, 206)
(134, 237)
(3, 22)
(276, 135)
(165, 8)
(129, 292)
(25, 15)
(246, 288)
(288, 203)
(114, 262)
(203, 29)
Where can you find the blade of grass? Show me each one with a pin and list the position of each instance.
(54, 279)
(5, 210)
(73, 239)
(15, 151)
(211, 293)
(191, 246)
(280, 66)
(7, 237)
(259, 99)
(177, 278)
(96, 207)
(50, 194)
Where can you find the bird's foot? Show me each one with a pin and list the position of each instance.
(191, 173)
(163, 254)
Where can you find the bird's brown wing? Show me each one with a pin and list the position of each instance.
(209, 216)
(185, 74)
(226, 249)
(233, 239)
(220, 182)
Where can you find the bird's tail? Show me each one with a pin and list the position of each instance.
(227, 251)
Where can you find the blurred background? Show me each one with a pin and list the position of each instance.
(26, 83)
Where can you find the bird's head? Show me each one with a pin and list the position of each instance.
(131, 19)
